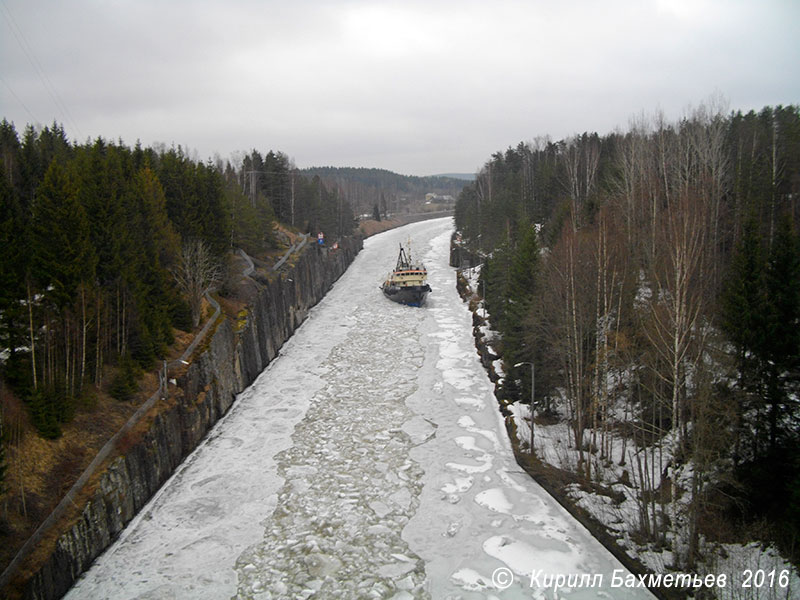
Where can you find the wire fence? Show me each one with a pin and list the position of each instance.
(295, 248)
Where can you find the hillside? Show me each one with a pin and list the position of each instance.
(106, 252)
(459, 176)
(651, 279)
(366, 188)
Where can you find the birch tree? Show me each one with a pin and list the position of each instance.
(675, 328)
(581, 158)
(566, 319)
(707, 132)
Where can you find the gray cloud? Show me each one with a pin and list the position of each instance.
(416, 87)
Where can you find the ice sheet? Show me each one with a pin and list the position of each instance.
(368, 460)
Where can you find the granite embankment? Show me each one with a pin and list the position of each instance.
(227, 362)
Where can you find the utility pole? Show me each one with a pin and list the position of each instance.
(253, 186)
(483, 281)
(293, 172)
(163, 382)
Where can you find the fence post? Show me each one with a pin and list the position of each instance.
(162, 381)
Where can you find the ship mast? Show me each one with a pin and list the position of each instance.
(403, 260)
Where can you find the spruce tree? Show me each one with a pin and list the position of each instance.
(14, 263)
(11, 255)
(152, 250)
(63, 256)
(743, 305)
(783, 298)
(212, 218)
(781, 350)
(494, 281)
(520, 297)
(47, 410)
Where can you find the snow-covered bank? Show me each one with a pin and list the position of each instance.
(481, 518)
(368, 460)
(613, 500)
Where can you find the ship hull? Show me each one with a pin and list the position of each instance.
(411, 295)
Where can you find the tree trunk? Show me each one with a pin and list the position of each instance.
(98, 354)
(31, 336)
(84, 326)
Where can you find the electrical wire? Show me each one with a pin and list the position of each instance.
(18, 99)
(51, 90)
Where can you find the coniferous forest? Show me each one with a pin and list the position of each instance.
(389, 192)
(94, 237)
(652, 276)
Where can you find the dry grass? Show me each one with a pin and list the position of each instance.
(182, 341)
(286, 238)
(231, 307)
(41, 471)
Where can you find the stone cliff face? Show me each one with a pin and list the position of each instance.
(229, 362)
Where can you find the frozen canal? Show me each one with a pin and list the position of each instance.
(369, 460)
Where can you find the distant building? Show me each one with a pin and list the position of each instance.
(431, 198)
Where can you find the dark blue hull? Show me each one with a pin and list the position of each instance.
(411, 295)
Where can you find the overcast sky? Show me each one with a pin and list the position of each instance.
(417, 87)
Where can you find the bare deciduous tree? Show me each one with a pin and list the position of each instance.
(196, 274)
(681, 297)
(581, 161)
(707, 132)
(566, 314)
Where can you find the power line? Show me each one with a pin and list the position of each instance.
(51, 90)
(18, 99)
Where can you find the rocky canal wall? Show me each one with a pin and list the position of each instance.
(223, 366)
